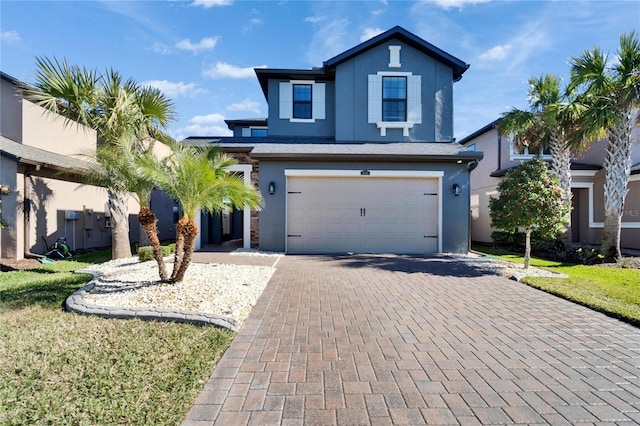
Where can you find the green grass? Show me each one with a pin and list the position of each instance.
(614, 291)
(63, 368)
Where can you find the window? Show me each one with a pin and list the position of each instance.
(302, 101)
(254, 132)
(394, 98)
(394, 101)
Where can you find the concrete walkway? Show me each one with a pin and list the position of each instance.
(412, 340)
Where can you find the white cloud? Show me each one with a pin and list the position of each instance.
(314, 19)
(252, 23)
(160, 48)
(331, 37)
(10, 36)
(204, 125)
(448, 4)
(204, 44)
(246, 105)
(174, 90)
(223, 70)
(210, 3)
(496, 53)
(370, 33)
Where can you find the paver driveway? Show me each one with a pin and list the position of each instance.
(413, 340)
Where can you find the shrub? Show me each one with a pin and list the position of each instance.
(146, 253)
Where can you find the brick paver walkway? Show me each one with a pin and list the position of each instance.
(408, 340)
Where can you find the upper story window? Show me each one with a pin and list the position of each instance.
(524, 153)
(258, 132)
(302, 101)
(395, 101)
(302, 95)
(254, 132)
(394, 98)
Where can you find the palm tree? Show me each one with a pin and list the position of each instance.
(199, 179)
(541, 126)
(119, 166)
(609, 95)
(119, 110)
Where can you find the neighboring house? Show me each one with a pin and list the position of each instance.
(37, 200)
(587, 180)
(355, 156)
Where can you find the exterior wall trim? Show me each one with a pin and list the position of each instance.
(358, 173)
(592, 224)
(355, 173)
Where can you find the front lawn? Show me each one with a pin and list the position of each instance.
(615, 291)
(64, 368)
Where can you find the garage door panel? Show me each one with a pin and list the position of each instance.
(370, 214)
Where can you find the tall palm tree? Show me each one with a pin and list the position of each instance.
(199, 179)
(118, 109)
(609, 95)
(541, 126)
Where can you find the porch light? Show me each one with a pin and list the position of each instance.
(456, 189)
(272, 188)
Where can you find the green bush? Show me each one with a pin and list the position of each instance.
(146, 253)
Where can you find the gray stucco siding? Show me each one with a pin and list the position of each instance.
(283, 127)
(351, 88)
(455, 209)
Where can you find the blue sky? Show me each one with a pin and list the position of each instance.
(202, 52)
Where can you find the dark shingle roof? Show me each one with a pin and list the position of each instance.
(317, 148)
(31, 155)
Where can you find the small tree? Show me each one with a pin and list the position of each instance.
(530, 198)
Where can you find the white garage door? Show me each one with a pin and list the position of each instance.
(362, 214)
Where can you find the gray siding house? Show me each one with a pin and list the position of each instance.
(356, 156)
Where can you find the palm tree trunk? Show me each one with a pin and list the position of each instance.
(119, 210)
(561, 167)
(179, 253)
(527, 248)
(190, 230)
(617, 171)
(148, 222)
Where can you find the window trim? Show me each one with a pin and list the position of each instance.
(318, 99)
(414, 102)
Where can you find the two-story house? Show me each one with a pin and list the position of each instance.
(587, 187)
(357, 155)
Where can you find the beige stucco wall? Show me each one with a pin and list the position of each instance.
(483, 186)
(50, 132)
(51, 198)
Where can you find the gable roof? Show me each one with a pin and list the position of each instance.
(327, 71)
(397, 32)
(495, 123)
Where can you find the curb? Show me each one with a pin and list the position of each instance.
(75, 303)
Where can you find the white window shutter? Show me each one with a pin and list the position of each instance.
(318, 97)
(286, 100)
(414, 104)
(375, 98)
